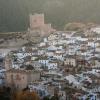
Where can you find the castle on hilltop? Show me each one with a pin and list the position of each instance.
(38, 26)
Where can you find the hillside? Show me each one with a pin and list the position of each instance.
(14, 14)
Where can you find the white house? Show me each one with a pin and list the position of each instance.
(45, 40)
(97, 49)
(96, 29)
(53, 42)
(52, 48)
(43, 61)
(91, 43)
(42, 44)
(49, 53)
(36, 65)
(52, 65)
(58, 56)
(52, 37)
(70, 60)
(41, 52)
(97, 43)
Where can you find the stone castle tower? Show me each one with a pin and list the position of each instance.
(36, 21)
(38, 26)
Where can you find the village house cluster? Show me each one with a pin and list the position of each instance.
(67, 62)
(61, 60)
